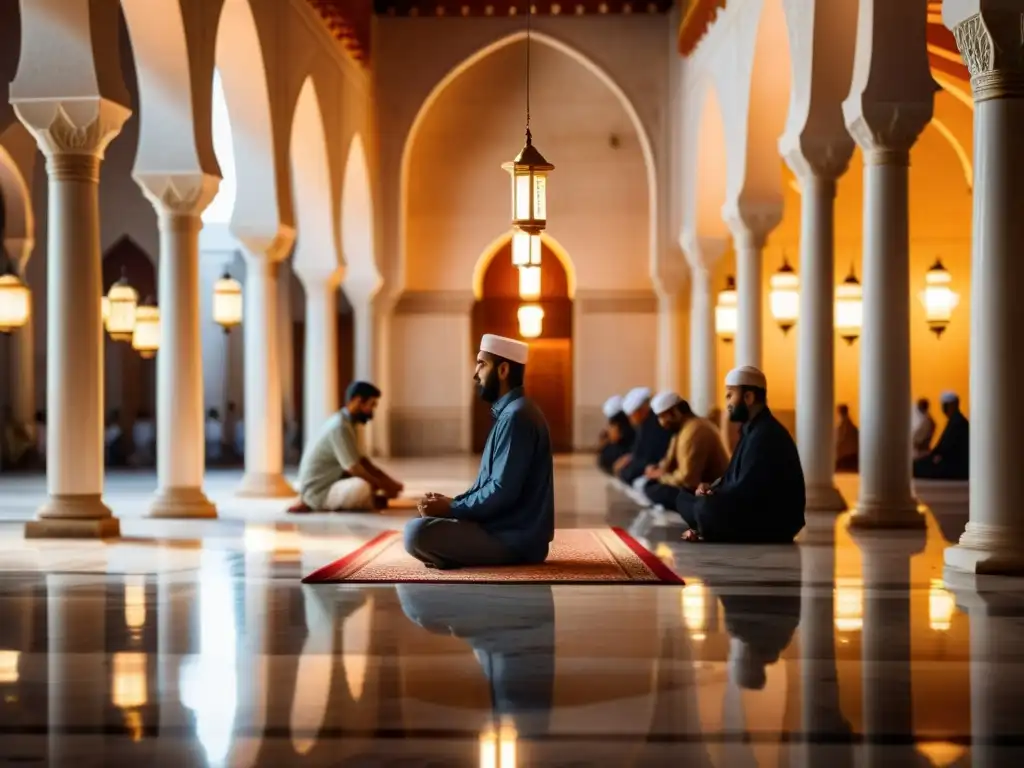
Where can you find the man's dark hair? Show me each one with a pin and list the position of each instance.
(363, 390)
(516, 371)
(684, 408)
(760, 395)
(843, 409)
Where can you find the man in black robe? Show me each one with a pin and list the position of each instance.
(761, 497)
(617, 437)
(651, 442)
(950, 458)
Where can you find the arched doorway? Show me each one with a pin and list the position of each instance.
(549, 372)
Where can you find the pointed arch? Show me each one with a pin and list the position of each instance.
(358, 245)
(317, 251)
(19, 218)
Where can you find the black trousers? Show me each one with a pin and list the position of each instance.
(662, 494)
(926, 469)
(718, 521)
(446, 543)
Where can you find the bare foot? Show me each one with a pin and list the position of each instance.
(691, 535)
(300, 508)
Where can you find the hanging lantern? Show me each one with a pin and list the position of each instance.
(227, 302)
(531, 321)
(725, 311)
(785, 296)
(14, 301)
(849, 308)
(526, 249)
(122, 302)
(938, 298)
(529, 283)
(146, 337)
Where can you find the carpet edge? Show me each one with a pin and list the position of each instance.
(649, 559)
(325, 573)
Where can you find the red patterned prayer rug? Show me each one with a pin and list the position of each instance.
(577, 556)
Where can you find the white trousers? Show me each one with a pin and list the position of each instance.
(352, 493)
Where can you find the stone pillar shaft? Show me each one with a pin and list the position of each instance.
(321, 355)
(703, 343)
(749, 254)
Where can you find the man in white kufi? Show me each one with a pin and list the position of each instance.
(651, 441)
(617, 437)
(950, 458)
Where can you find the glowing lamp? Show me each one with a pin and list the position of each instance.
(531, 321)
(104, 309)
(941, 606)
(726, 311)
(14, 301)
(529, 283)
(938, 298)
(227, 302)
(122, 302)
(129, 687)
(785, 296)
(529, 173)
(146, 337)
(525, 249)
(849, 308)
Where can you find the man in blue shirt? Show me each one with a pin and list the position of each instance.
(507, 517)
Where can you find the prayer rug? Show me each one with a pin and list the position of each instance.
(577, 556)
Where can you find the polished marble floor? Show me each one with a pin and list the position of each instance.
(194, 644)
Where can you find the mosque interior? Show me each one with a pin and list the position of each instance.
(217, 215)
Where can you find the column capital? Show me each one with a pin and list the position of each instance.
(886, 131)
(72, 127)
(267, 246)
(751, 222)
(992, 45)
(817, 157)
(702, 252)
(174, 195)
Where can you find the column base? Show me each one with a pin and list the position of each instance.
(987, 550)
(895, 516)
(825, 498)
(266, 485)
(74, 517)
(182, 503)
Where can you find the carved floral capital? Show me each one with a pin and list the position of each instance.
(886, 131)
(179, 195)
(72, 126)
(992, 46)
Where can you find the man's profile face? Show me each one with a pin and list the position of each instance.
(737, 403)
(363, 408)
(488, 377)
(671, 420)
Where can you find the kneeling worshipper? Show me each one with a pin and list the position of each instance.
(950, 458)
(507, 517)
(333, 474)
(651, 442)
(695, 455)
(617, 438)
(761, 497)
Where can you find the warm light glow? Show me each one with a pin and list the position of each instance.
(104, 309)
(849, 308)
(785, 296)
(849, 605)
(938, 298)
(941, 753)
(129, 688)
(146, 337)
(529, 283)
(526, 249)
(14, 302)
(694, 608)
(726, 311)
(135, 602)
(531, 321)
(941, 606)
(122, 300)
(498, 749)
(529, 188)
(9, 666)
(227, 302)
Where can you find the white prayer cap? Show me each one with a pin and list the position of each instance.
(634, 399)
(662, 401)
(949, 397)
(746, 376)
(612, 406)
(510, 349)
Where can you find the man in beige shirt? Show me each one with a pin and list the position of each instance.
(695, 455)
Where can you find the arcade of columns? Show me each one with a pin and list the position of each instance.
(881, 113)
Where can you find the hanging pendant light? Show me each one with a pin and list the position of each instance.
(227, 302)
(123, 301)
(146, 336)
(14, 301)
(529, 283)
(726, 311)
(938, 297)
(849, 308)
(529, 170)
(531, 321)
(785, 296)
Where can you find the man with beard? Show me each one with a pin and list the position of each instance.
(617, 438)
(507, 517)
(650, 443)
(761, 497)
(333, 475)
(950, 458)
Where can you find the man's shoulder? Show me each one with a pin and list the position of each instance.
(522, 410)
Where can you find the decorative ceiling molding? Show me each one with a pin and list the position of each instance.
(349, 22)
(697, 20)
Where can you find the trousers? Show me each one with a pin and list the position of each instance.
(445, 543)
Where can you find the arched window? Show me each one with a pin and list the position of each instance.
(223, 205)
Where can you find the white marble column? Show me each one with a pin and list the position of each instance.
(320, 398)
(749, 254)
(670, 346)
(23, 348)
(994, 539)
(74, 345)
(703, 343)
(264, 444)
(181, 445)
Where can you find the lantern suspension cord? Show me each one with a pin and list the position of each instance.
(529, 15)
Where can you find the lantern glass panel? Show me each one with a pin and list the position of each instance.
(529, 283)
(531, 321)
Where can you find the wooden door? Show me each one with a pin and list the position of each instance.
(549, 384)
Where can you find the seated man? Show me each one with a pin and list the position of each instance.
(761, 497)
(617, 438)
(333, 475)
(847, 441)
(695, 455)
(950, 458)
(651, 441)
(507, 517)
(922, 428)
